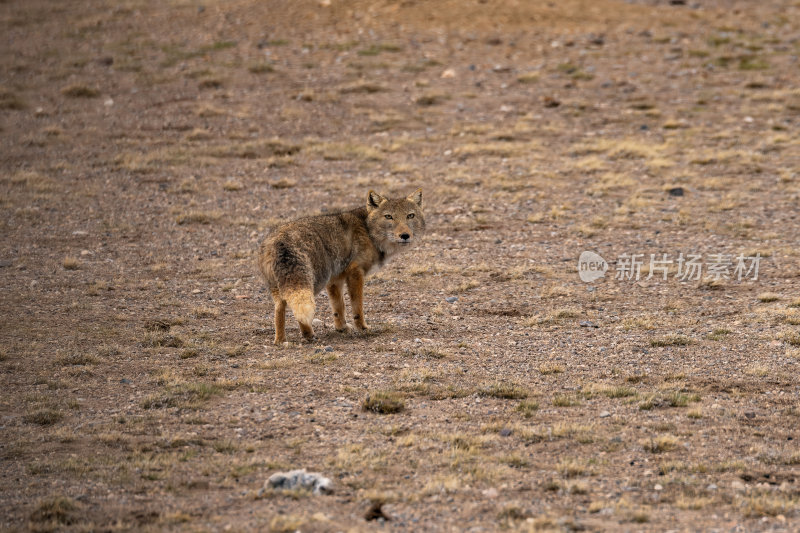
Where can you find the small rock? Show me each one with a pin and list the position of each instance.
(242, 296)
(108, 102)
(449, 73)
(712, 486)
(549, 101)
(738, 485)
(329, 348)
(505, 432)
(658, 487)
(5, 263)
(588, 324)
(676, 191)
(85, 252)
(316, 483)
(490, 493)
(125, 381)
(750, 414)
(317, 322)
(201, 484)
(451, 299)
(106, 61)
(604, 414)
(80, 233)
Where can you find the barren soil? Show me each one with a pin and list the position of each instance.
(146, 148)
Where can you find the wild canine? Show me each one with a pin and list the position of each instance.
(301, 257)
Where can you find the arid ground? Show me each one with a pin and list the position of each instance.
(146, 148)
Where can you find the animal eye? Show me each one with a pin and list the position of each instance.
(388, 217)
(410, 215)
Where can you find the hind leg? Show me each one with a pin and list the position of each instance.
(337, 303)
(280, 318)
(301, 303)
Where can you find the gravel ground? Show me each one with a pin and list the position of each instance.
(146, 150)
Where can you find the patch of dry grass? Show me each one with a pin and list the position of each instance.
(342, 151)
(671, 340)
(10, 100)
(71, 263)
(197, 217)
(383, 402)
(505, 391)
(57, 510)
(43, 417)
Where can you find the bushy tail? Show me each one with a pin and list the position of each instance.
(283, 267)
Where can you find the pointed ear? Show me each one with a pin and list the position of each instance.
(374, 200)
(416, 197)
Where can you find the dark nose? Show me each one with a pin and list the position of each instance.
(405, 236)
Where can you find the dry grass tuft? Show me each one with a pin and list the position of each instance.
(10, 100)
(550, 368)
(71, 263)
(504, 391)
(527, 408)
(661, 444)
(383, 402)
(43, 417)
(342, 151)
(671, 340)
(198, 217)
(58, 510)
(80, 91)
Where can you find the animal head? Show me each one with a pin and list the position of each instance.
(394, 223)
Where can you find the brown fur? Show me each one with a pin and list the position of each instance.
(302, 257)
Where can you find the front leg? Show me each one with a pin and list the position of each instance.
(337, 303)
(355, 286)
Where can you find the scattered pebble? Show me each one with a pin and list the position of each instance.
(676, 191)
(550, 101)
(451, 299)
(604, 414)
(490, 493)
(738, 485)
